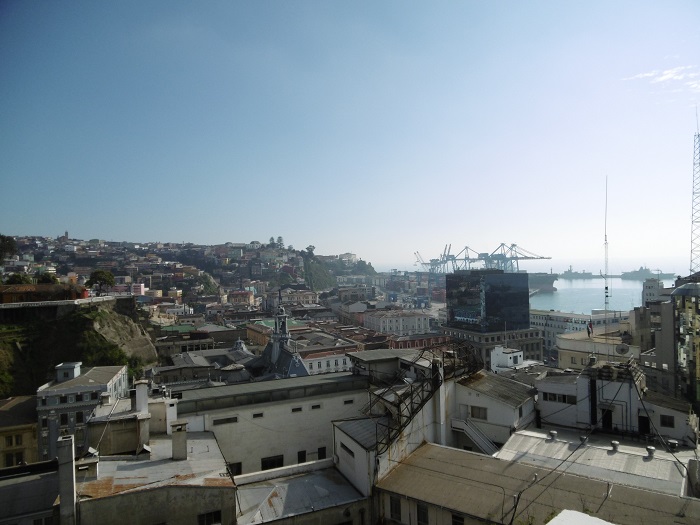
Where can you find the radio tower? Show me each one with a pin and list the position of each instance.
(695, 226)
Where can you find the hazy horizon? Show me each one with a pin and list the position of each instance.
(377, 128)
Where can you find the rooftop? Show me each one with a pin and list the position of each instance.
(204, 466)
(95, 376)
(497, 387)
(488, 486)
(630, 465)
(292, 495)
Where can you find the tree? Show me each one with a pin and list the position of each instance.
(310, 249)
(18, 278)
(290, 248)
(46, 278)
(272, 241)
(8, 247)
(280, 242)
(101, 279)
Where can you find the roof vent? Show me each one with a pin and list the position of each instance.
(583, 439)
(615, 445)
(553, 435)
(650, 451)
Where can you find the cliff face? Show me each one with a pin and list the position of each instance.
(97, 335)
(123, 332)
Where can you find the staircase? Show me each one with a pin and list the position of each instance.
(480, 439)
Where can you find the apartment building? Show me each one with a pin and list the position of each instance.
(65, 404)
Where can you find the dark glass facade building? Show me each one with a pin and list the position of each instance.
(488, 300)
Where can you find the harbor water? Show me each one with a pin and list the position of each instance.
(581, 296)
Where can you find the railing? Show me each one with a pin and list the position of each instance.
(480, 439)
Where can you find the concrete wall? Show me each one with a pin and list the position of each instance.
(248, 433)
(178, 505)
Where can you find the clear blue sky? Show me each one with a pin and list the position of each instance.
(379, 128)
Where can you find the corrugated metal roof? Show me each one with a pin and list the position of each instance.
(506, 390)
(364, 431)
(482, 486)
(288, 496)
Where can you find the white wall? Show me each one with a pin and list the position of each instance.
(279, 430)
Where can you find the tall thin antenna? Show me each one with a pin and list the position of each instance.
(607, 295)
(695, 221)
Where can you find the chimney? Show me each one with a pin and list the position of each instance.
(141, 396)
(66, 479)
(179, 433)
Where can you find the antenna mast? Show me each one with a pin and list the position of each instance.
(607, 295)
(695, 222)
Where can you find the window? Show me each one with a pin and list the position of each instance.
(64, 419)
(93, 396)
(301, 456)
(520, 411)
(210, 518)
(236, 468)
(44, 422)
(315, 407)
(18, 440)
(573, 360)
(296, 409)
(457, 520)
(395, 508)
(8, 441)
(311, 365)
(9, 459)
(63, 399)
(257, 415)
(348, 401)
(422, 511)
(667, 421)
(328, 364)
(321, 452)
(223, 421)
(478, 412)
(347, 450)
(272, 462)
(78, 417)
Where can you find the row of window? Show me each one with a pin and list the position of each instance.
(17, 440)
(559, 398)
(493, 338)
(88, 396)
(319, 364)
(257, 415)
(78, 417)
(277, 461)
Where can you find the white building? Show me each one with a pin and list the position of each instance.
(553, 323)
(614, 398)
(397, 322)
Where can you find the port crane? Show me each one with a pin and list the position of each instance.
(505, 257)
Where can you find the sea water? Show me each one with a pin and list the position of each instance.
(583, 295)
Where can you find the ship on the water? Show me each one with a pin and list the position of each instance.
(542, 282)
(645, 273)
(571, 274)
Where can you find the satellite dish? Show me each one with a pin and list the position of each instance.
(622, 349)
